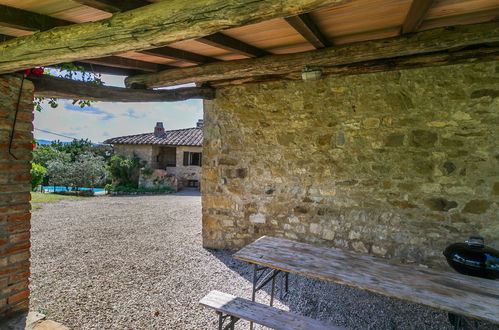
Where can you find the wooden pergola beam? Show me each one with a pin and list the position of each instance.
(178, 54)
(113, 6)
(411, 44)
(416, 14)
(27, 20)
(151, 26)
(485, 54)
(48, 86)
(304, 25)
(223, 41)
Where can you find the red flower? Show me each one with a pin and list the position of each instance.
(34, 146)
(37, 71)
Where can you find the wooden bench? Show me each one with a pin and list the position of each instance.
(458, 294)
(236, 308)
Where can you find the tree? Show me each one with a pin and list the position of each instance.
(37, 174)
(89, 170)
(44, 154)
(60, 173)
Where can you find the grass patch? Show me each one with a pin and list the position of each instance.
(37, 197)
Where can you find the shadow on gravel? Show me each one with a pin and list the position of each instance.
(341, 305)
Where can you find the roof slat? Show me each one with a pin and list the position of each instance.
(178, 54)
(28, 21)
(305, 25)
(126, 63)
(416, 14)
(112, 6)
(223, 41)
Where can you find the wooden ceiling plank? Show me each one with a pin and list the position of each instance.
(152, 26)
(418, 11)
(223, 41)
(304, 25)
(126, 63)
(113, 6)
(48, 86)
(178, 54)
(28, 21)
(406, 45)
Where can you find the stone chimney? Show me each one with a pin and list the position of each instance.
(199, 124)
(159, 130)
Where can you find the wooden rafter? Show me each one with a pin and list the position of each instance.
(411, 44)
(178, 54)
(305, 26)
(4, 37)
(223, 41)
(48, 86)
(152, 26)
(98, 68)
(127, 63)
(27, 20)
(416, 14)
(113, 6)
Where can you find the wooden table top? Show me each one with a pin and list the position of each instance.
(459, 294)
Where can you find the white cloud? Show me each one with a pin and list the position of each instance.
(106, 120)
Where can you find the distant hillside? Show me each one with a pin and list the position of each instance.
(41, 142)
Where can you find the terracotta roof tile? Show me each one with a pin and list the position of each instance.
(178, 137)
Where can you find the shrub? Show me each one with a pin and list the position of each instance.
(38, 172)
(124, 170)
(133, 189)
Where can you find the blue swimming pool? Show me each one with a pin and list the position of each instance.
(57, 188)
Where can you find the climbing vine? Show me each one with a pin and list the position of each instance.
(68, 71)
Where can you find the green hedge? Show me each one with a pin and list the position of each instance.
(133, 189)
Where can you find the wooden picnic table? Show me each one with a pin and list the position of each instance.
(452, 292)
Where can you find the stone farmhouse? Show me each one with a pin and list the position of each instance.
(176, 153)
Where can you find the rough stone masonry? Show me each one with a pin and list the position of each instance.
(15, 187)
(394, 164)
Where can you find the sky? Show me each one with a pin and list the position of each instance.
(104, 120)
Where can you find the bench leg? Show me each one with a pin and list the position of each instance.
(221, 321)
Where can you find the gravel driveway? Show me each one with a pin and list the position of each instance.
(136, 262)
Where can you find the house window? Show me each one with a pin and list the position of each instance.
(192, 158)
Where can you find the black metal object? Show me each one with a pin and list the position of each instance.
(473, 258)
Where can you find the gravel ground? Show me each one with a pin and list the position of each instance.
(136, 262)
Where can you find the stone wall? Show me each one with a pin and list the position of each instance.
(15, 187)
(144, 152)
(394, 164)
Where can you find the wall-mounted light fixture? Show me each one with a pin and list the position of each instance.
(311, 73)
